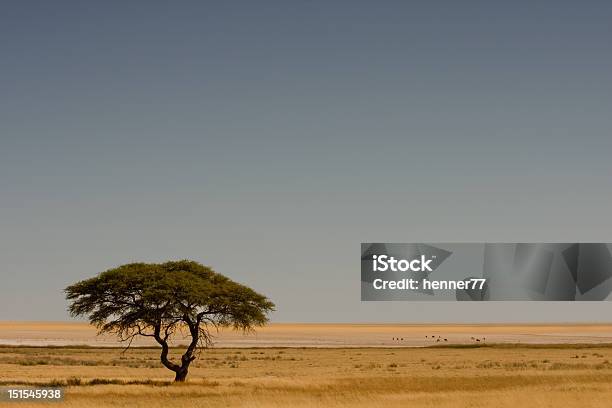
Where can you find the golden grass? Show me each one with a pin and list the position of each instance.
(441, 377)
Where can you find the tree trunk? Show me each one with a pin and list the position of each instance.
(186, 359)
(183, 370)
(181, 375)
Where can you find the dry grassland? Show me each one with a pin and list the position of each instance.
(441, 377)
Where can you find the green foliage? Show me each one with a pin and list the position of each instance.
(147, 294)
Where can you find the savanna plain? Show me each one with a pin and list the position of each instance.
(471, 374)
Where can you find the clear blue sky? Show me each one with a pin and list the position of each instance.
(268, 139)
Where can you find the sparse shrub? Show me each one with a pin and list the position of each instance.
(73, 381)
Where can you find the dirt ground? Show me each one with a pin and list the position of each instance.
(325, 335)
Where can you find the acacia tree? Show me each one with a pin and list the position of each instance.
(166, 300)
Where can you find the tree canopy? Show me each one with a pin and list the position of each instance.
(163, 300)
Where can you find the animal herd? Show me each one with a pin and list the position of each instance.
(439, 339)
